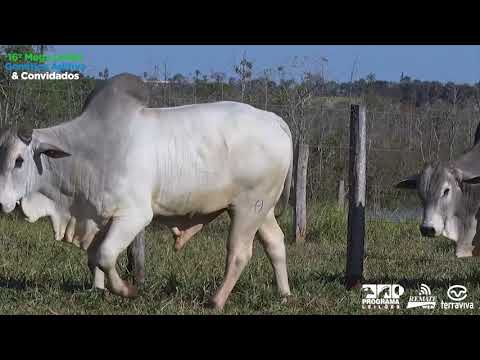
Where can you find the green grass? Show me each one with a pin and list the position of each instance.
(41, 276)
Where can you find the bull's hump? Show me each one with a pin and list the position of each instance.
(121, 88)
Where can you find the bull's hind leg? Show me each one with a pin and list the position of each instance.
(272, 238)
(182, 237)
(244, 225)
(121, 233)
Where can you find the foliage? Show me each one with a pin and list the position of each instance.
(410, 122)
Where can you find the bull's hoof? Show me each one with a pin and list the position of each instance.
(476, 251)
(95, 289)
(178, 246)
(214, 304)
(129, 291)
(97, 292)
(132, 291)
(286, 299)
(139, 281)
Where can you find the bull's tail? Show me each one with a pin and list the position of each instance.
(283, 202)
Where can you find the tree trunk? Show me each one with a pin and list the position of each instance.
(136, 258)
(300, 210)
(266, 96)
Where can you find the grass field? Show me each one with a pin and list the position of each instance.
(41, 276)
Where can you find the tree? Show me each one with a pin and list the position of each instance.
(178, 79)
(219, 78)
(103, 75)
(297, 99)
(370, 78)
(267, 79)
(43, 48)
(195, 83)
(244, 71)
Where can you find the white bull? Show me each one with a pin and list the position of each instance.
(120, 163)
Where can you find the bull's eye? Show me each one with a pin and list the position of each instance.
(445, 193)
(18, 162)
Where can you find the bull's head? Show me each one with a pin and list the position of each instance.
(448, 203)
(19, 163)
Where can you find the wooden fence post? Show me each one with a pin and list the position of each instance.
(357, 189)
(300, 209)
(341, 195)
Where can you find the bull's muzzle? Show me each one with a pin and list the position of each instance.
(7, 208)
(476, 250)
(427, 231)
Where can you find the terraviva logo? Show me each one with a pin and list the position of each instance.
(424, 299)
(456, 293)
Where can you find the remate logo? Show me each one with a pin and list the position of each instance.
(424, 299)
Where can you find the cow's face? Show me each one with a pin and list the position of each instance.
(441, 191)
(19, 158)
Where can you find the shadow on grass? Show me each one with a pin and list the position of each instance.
(68, 286)
(16, 284)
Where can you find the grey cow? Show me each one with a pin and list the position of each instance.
(120, 163)
(450, 197)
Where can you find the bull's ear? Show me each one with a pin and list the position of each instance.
(472, 180)
(408, 183)
(25, 135)
(465, 177)
(51, 151)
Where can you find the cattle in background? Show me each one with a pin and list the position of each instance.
(120, 163)
(450, 197)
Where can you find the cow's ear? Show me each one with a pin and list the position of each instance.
(51, 151)
(408, 183)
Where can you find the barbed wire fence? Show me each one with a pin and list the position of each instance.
(400, 141)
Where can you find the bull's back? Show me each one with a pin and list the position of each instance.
(207, 154)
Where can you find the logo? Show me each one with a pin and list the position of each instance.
(457, 293)
(33, 66)
(424, 299)
(381, 296)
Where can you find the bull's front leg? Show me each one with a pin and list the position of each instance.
(98, 275)
(136, 258)
(465, 243)
(120, 234)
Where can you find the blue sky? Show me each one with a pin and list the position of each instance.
(457, 63)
